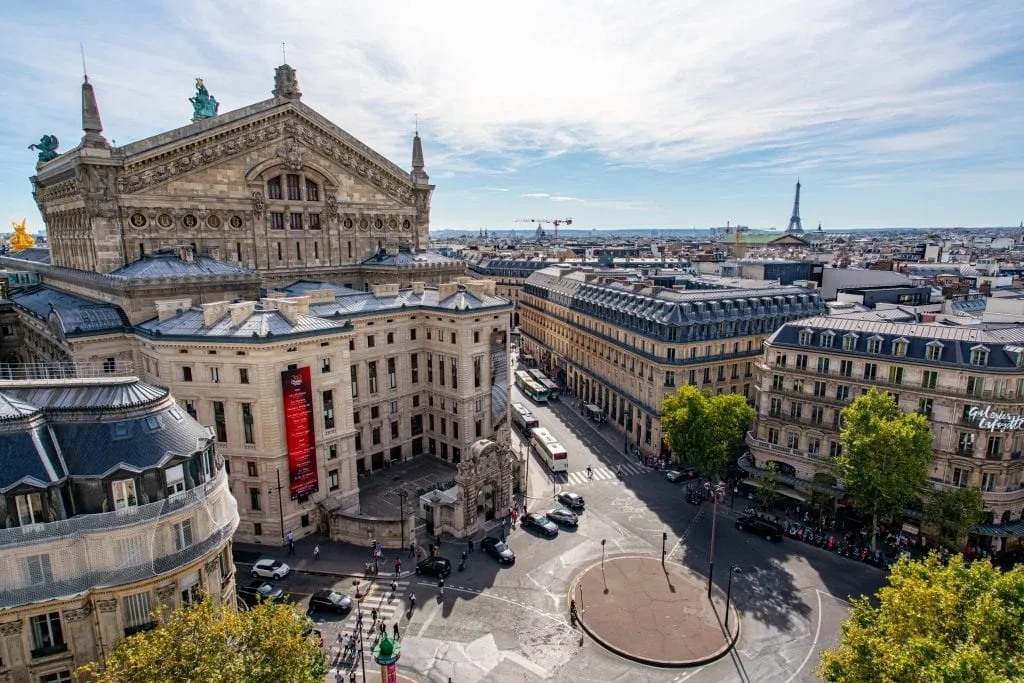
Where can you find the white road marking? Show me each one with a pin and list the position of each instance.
(557, 619)
(554, 598)
(814, 643)
(429, 621)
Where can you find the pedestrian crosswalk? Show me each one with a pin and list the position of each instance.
(605, 473)
(390, 607)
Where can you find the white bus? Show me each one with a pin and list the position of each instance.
(523, 419)
(528, 386)
(547, 384)
(549, 450)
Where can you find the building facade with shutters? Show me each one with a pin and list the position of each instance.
(967, 380)
(115, 504)
(623, 344)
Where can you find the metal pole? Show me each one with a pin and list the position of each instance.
(664, 539)
(728, 597)
(280, 505)
(711, 555)
(401, 501)
(603, 541)
(362, 660)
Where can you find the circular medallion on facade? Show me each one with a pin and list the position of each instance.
(138, 220)
(364, 224)
(347, 223)
(213, 221)
(378, 224)
(392, 224)
(164, 220)
(406, 225)
(190, 221)
(236, 222)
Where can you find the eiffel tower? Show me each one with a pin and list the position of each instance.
(795, 228)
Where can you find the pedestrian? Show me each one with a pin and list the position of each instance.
(398, 566)
(470, 544)
(383, 629)
(395, 631)
(440, 586)
(291, 543)
(359, 620)
(338, 676)
(394, 586)
(412, 548)
(373, 613)
(316, 553)
(412, 602)
(352, 676)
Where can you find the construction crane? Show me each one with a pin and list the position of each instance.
(541, 222)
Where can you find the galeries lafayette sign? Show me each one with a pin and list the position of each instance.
(996, 420)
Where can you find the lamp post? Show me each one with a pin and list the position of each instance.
(362, 658)
(716, 492)
(664, 540)
(402, 495)
(603, 541)
(733, 569)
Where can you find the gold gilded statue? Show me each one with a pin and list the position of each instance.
(21, 239)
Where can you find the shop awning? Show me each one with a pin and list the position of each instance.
(782, 491)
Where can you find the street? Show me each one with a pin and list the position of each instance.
(497, 623)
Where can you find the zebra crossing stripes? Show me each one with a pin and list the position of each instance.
(604, 474)
(389, 607)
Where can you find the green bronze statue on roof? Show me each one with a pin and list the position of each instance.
(204, 105)
(47, 148)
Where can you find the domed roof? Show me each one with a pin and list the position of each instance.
(12, 408)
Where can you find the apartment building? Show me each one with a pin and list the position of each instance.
(379, 377)
(967, 380)
(624, 344)
(115, 503)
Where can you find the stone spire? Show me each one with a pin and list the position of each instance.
(286, 84)
(418, 174)
(91, 123)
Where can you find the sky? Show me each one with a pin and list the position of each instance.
(615, 113)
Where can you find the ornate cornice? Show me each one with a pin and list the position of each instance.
(79, 613)
(10, 628)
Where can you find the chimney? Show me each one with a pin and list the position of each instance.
(384, 291)
(214, 311)
(186, 253)
(241, 311)
(321, 296)
(293, 307)
(446, 290)
(417, 288)
(171, 307)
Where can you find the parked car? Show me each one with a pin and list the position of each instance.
(540, 523)
(270, 569)
(326, 600)
(434, 566)
(677, 474)
(258, 589)
(564, 517)
(573, 501)
(761, 527)
(497, 549)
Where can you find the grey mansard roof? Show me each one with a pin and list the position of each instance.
(76, 314)
(166, 263)
(1004, 343)
(408, 258)
(33, 254)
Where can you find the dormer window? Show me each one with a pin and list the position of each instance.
(274, 188)
(175, 480)
(124, 494)
(827, 339)
(979, 355)
(875, 345)
(933, 350)
(30, 508)
(849, 342)
(899, 347)
(805, 337)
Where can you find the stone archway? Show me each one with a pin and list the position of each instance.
(485, 481)
(487, 502)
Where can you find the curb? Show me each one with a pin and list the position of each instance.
(347, 575)
(661, 663)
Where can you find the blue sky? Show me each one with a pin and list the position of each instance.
(616, 113)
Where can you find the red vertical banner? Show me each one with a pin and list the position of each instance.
(300, 431)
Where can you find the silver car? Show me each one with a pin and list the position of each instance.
(270, 569)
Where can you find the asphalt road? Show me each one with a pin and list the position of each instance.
(511, 623)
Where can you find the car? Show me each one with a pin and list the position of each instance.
(563, 517)
(573, 501)
(497, 549)
(540, 523)
(326, 600)
(761, 527)
(677, 474)
(270, 569)
(258, 589)
(434, 566)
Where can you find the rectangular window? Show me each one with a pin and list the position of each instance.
(796, 409)
(780, 360)
(924, 406)
(994, 449)
(38, 570)
(842, 392)
(453, 337)
(670, 379)
(257, 529)
(476, 372)
(414, 362)
(801, 361)
(929, 379)
(328, 401)
(136, 610)
(817, 414)
(412, 334)
(975, 385)
(332, 480)
(215, 375)
(312, 191)
(371, 371)
(392, 377)
(479, 429)
(835, 449)
(823, 364)
(416, 425)
(325, 365)
(933, 351)
(430, 369)
(394, 430)
(820, 388)
(778, 382)
(391, 337)
(961, 477)
(988, 480)
(773, 436)
(332, 452)
(47, 634)
(175, 477)
(374, 412)
(274, 188)
(846, 368)
(276, 221)
(896, 375)
(375, 436)
(440, 370)
(444, 427)
(243, 375)
(247, 422)
(393, 408)
(314, 221)
(870, 371)
(455, 429)
(30, 508)
(371, 341)
(220, 423)
(183, 534)
(294, 187)
(255, 501)
(965, 445)
(186, 374)
(775, 407)
(124, 494)
(354, 379)
(455, 374)
(252, 469)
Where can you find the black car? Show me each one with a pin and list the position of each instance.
(326, 600)
(573, 501)
(540, 523)
(761, 527)
(497, 549)
(434, 566)
(257, 589)
(563, 517)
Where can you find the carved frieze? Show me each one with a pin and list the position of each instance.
(10, 628)
(165, 592)
(259, 205)
(78, 613)
(293, 154)
(107, 606)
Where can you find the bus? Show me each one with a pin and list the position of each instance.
(549, 450)
(528, 386)
(523, 418)
(541, 379)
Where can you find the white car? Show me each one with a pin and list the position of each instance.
(270, 569)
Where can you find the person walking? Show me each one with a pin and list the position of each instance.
(291, 543)
(395, 631)
(440, 587)
(316, 553)
(398, 566)
(373, 614)
(412, 548)
(394, 587)
(469, 543)
(412, 602)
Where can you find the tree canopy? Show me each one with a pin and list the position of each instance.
(202, 642)
(953, 513)
(702, 429)
(934, 622)
(885, 456)
(768, 486)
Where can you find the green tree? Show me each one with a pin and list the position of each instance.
(885, 456)
(703, 429)
(934, 622)
(954, 513)
(768, 486)
(202, 642)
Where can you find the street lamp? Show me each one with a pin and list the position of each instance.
(603, 541)
(402, 495)
(717, 492)
(733, 569)
(664, 540)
